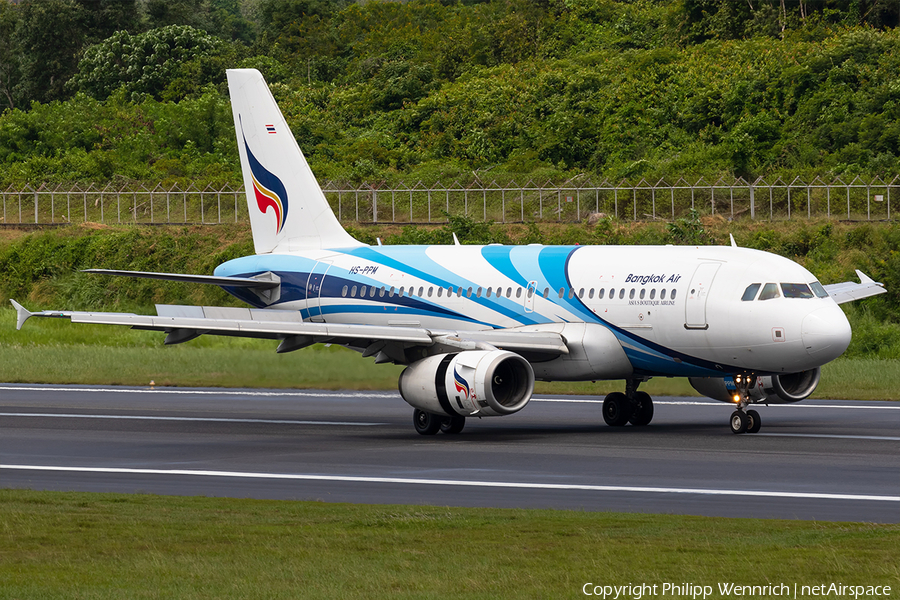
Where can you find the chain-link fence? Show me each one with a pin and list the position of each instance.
(509, 202)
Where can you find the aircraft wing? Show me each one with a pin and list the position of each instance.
(849, 291)
(262, 282)
(183, 323)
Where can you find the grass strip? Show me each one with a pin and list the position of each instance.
(56, 351)
(81, 545)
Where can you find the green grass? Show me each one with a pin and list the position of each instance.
(76, 545)
(56, 351)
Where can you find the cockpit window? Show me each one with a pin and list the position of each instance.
(796, 290)
(770, 290)
(818, 289)
(750, 292)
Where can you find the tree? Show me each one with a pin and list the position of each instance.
(9, 61)
(142, 64)
(49, 38)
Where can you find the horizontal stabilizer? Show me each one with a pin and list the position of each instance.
(263, 282)
(849, 291)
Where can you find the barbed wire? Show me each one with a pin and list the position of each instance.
(506, 202)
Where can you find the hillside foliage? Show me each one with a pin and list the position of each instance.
(443, 90)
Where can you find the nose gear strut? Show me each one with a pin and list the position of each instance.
(742, 420)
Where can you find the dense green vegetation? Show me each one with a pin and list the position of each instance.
(448, 90)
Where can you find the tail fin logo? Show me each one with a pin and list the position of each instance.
(461, 384)
(268, 189)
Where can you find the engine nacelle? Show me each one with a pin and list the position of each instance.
(487, 383)
(774, 389)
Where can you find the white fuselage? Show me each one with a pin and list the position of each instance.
(673, 310)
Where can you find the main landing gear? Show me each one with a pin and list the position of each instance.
(744, 421)
(429, 423)
(632, 406)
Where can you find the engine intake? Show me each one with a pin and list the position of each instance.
(489, 383)
(773, 389)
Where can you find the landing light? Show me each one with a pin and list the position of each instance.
(737, 398)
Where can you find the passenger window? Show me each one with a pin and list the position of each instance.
(818, 290)
(581, 293)
(672, 297)
(344, 291)
(440, 291)
(796, 290)
(601, 293)
(662, 295)
(750, 292)
(353, 292)
(430, 290)
(381, 292)
(487, 294)
(621, 293)
(630, 294)
(561, 292)
(571, 293)
(519, 293)
(469, 292)
(546, 292)
(643, 291)
(478, 292)
(770, 290)
(653, 293)
(591, 293)
(509, 292)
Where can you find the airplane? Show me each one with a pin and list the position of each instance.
(476, 326)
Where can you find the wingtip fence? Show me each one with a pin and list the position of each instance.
(854, 199)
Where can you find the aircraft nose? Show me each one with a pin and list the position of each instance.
(826, 333)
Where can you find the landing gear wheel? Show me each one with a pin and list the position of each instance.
(426, 423)
(643, 409)
(617, 409)
(452, 424)
(739, 422)
(755, 422)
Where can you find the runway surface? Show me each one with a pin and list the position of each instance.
(823, 460)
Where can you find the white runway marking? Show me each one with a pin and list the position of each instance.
(200, 419)
(826, 435)
(455, 482)
(168, 390)
(890, 405)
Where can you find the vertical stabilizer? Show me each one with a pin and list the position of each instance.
(288, 210)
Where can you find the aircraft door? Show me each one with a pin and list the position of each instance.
(314, 286)
(697, 294)
(530, 291)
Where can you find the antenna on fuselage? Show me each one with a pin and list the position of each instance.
(456, 240)
(733, 243)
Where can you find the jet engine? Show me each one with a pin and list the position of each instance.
(487, 383)
(774, 389)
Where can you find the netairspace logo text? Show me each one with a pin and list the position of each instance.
(726, 590)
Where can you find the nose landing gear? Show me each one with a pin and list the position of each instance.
(741, 421)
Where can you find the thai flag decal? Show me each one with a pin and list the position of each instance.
(461, 384)
(268, 189)
(271, 129)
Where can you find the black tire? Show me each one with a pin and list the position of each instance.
(617, 409)
(755, 421)
(643, 409)
(426, 423)
(452, 424)
(739, 422)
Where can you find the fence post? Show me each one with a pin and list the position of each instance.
(752, 203)
(35, 206)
